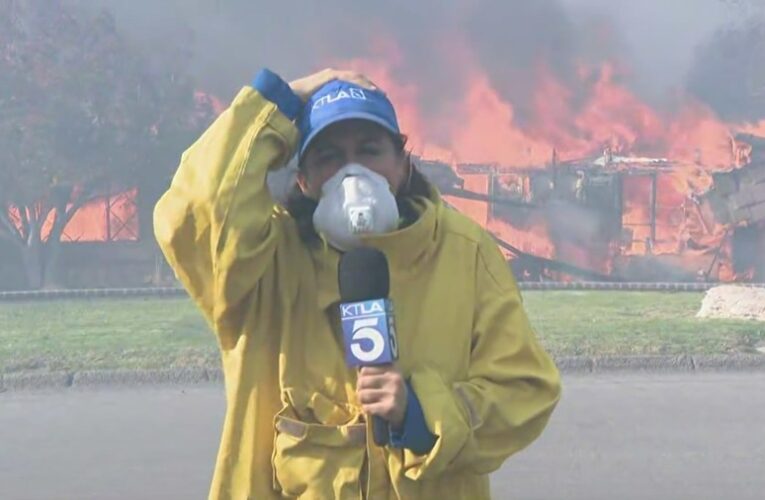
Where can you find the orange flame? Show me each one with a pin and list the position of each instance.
(479, 126)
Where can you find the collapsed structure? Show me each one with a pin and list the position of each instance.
(618, 217)
(737, 200)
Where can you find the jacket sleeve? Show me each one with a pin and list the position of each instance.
(217, 224)
(509, 394)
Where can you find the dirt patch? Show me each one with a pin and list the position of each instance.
(733, 302)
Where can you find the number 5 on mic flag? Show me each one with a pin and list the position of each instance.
(369, 333)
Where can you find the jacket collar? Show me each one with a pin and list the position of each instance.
(406, 249)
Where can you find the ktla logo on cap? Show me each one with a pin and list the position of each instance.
(340, 100)
(350, 93)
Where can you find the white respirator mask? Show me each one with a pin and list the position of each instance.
(355, 202)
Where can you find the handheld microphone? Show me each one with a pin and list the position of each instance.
(366, 315)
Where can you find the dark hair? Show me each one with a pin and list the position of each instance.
(301, 207)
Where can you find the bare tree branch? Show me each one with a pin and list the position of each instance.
(34, 228)
(23, 216)
(74, 207)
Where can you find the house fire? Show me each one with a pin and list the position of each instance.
(579, 177)
(737, 200)
(616, 217)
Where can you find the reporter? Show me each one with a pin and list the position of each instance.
(472, 385)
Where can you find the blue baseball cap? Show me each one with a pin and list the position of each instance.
(340, 100)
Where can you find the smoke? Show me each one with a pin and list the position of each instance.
(729, 73)
(434, 40)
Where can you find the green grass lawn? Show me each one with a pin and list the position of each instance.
(156, 333)
(619, 323)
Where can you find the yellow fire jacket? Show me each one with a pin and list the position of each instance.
(293, 427)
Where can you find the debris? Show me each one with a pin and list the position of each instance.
(733, 302)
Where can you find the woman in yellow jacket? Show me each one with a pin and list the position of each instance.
(472, 384)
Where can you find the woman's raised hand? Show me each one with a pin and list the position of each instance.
(305, 87)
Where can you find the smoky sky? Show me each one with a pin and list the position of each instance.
(227, 41)
(729, 72)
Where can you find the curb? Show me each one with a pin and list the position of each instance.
(35, 295)
(95, 379)
(685, 363)
(568, 365)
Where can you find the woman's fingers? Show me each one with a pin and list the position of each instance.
(358, 78)
(372, 396)
(306, 86)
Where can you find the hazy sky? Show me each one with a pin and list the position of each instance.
(231, 39)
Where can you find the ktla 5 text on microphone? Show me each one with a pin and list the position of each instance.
(369, 332)
(366, 316)
(366, 312)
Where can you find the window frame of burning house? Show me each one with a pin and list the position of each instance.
(498, 191)
(116, 212)
(112, 217)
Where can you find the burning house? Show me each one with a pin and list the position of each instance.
(616, 217)
(737, 200)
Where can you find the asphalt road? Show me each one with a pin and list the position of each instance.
(612, 437)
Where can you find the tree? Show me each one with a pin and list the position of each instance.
(81, 114)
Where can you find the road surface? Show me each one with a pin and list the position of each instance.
(612, 437)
